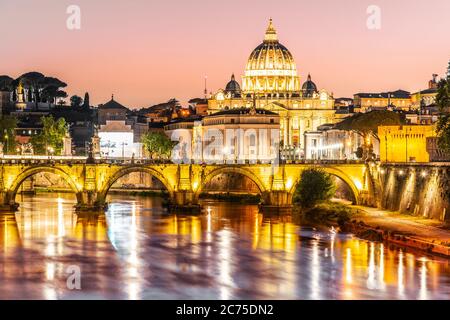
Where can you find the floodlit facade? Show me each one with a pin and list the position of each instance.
(405, 143)
(117, 140)
(271, 82)
(331, 144)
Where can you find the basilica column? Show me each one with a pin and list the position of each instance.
(290, 130)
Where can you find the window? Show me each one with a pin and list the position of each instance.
(252, 140)
(232, 120)
(272, 120)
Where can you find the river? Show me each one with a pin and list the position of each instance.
(138, 251)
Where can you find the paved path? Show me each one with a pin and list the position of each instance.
(416, 227)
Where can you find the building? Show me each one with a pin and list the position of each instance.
(120, 130)
(271, 82)
(343, 102)
(436, 153)
(396, 100)
(5, 97)
(117, 140)
(406, 143)
(112, 110)
(328, 143)
(200, 106)
(238, 135)
(426, 97)
(162, 112)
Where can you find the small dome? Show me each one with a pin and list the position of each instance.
(233, 86)
(309, 87)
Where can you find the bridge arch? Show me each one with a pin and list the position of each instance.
(229, 169)
(337, 173)
(35, 170)
(127, 170)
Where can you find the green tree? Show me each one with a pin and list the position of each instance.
(366, 125)
(157, 144)
(443, 124)
(315, 185)
(8, 124)
(50, 139)
(75, 101)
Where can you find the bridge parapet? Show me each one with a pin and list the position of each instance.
(184, 182)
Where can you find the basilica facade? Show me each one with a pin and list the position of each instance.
(271, 82)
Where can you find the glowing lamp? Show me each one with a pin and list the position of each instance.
(358, 184)
(289, 183)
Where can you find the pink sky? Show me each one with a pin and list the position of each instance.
(147, 52)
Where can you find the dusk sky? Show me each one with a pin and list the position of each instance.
(146, 52)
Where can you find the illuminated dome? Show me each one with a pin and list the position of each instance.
(233, 86)
(309, 87)
(270, 67)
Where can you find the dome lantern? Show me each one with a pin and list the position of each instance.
(271, 33)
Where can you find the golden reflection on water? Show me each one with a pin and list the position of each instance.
(232, 251)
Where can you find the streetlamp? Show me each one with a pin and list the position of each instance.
(50, 151)
(123, 149)
(6, 142)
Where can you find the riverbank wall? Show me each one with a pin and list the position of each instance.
(419, 189)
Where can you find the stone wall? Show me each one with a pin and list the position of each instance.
(417, 189)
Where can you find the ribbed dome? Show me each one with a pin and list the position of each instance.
(233, 86)
(270, 67)
(309, 87)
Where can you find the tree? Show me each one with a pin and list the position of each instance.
(8, 124)
(5, 83)
(315, 185)
(51, 136)
(443, 124)
(40, 88)
(75, 101)
(157, 144)
(33, 82)
(366, 125)
(52, 89)
(86, 103)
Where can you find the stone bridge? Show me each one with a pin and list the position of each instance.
(184, 182)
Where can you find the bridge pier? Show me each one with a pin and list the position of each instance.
(277, 201)
(90, 201)
(7, 203)
(184, 201)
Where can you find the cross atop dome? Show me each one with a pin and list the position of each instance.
(271, 33)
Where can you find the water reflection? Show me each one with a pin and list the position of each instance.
(138, 251)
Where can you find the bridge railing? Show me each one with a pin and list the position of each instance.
(34, 160)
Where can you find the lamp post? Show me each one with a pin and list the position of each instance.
(123, 149)
(50, 151)
(406, 149)
(6, 143)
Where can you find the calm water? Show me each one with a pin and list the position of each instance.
(137, 251)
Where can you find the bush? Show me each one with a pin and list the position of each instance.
(329, 213)
(315, 185)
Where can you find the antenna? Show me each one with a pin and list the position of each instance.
(206, 91)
